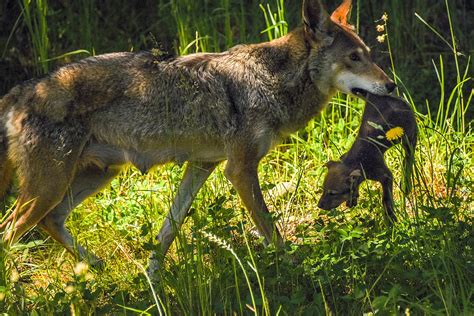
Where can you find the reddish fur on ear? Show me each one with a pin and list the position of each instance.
(340, 15)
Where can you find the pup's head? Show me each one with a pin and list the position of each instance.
(340, 185)
(338, 57)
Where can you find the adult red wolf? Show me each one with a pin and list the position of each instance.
(67, 135)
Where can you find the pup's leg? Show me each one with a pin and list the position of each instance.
(86, 183)
(242, 173)
(409, 144)
(194, 177)
(387, 198)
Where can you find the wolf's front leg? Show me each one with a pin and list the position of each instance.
(242, 173)
(194, 177)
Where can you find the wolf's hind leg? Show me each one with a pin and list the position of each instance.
(194, 177)
(42, 188)
(87, 182)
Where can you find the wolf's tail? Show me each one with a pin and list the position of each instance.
(409, 144)
(6, 167)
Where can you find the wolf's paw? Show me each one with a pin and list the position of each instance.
(96, 263)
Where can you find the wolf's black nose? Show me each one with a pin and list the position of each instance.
(390, 87)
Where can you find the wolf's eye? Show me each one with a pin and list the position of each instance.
(354, 57)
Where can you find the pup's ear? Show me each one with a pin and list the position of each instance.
(316, 22)
(341, 14)
(355, 173)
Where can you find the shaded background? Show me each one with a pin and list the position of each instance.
(55, 28)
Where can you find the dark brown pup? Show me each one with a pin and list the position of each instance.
(386, 121)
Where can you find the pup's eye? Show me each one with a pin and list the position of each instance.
(354, 57)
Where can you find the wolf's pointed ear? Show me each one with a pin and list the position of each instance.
(316, 21)
(341, 14)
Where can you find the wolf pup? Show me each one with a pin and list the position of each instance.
(69, 134)
(386, 120)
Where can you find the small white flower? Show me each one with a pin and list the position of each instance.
(69, 289)
(81, 268)
(14, 276)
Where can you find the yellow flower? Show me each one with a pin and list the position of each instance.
(385, 17)
(381, 38)
(380, 28)
(394, 133)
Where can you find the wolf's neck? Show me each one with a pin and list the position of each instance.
(298, 95)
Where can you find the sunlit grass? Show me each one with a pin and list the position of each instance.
(345, 261)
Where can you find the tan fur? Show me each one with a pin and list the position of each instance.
(74, 130)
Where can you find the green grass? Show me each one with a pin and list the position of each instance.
(342, 262)
(34, 15)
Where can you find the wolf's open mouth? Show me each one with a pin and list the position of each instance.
(359, 92)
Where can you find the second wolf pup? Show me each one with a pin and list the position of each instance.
(386, 120)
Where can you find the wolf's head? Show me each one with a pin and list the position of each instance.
(339, 59)
(340, 185)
